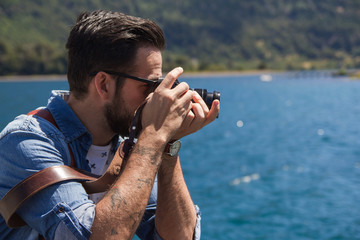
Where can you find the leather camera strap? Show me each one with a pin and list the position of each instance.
(33, 184)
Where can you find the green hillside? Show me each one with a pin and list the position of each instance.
(202, 35)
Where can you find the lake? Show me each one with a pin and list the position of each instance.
(282, 161)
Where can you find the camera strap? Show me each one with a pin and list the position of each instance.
(134, 131)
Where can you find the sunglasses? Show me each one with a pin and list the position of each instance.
(151, 82)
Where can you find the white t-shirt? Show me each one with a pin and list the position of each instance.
(99, 159)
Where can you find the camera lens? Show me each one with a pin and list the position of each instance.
(208, 97)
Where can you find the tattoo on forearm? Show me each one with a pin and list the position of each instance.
(143, 182)
(114, 232)
(136, 217)
(116, 199)
(144, 151)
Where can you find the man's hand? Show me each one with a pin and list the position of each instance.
(167, 107)
(198, 117)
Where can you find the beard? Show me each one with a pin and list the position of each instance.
(118, 117)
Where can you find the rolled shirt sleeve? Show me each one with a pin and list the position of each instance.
(84, 214)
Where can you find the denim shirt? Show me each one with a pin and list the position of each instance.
(29, 144)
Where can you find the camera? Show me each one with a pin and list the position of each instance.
(208, 97)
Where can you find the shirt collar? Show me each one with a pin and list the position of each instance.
(65, 118)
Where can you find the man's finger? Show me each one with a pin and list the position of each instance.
(198, 99)
(170, 78)
(198, 111)
(181, 89)
(214, 111)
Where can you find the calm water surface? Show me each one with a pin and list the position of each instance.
(281, 162)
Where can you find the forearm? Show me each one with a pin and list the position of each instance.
(175, 213)
(120, 211)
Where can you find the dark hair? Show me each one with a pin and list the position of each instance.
(105, 40)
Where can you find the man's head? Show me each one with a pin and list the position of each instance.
(119, 112)
(104, 40)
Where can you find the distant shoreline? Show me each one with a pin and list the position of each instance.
(50, 77)
(24, 78)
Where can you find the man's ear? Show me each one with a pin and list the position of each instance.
(104, 85)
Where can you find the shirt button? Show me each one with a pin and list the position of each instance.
(61, 209)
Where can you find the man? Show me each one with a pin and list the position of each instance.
(113, 58)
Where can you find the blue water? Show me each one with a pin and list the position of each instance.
(281, 162)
